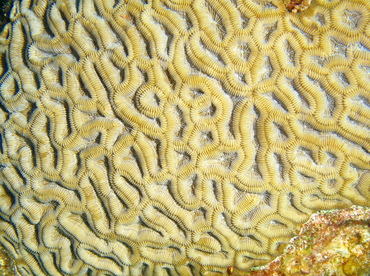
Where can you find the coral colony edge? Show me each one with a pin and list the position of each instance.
(177, 137)
(332, 242)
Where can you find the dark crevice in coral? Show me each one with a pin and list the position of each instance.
(5, 6)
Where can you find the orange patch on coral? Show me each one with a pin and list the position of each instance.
(298, 5)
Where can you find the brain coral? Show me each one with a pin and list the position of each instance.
(174, 137)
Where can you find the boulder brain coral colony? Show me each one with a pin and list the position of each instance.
(177, 137)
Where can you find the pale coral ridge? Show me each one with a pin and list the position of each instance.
(175, 137)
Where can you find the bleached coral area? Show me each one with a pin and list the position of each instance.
(175, 137)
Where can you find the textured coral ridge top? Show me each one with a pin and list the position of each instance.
(177, 137)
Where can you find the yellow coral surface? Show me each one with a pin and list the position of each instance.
(175, 137)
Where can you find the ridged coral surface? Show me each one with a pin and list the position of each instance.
(177, 137)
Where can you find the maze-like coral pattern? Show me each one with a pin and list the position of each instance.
(175, 137)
